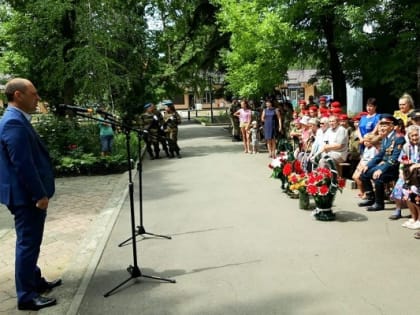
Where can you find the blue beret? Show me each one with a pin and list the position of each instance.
(147, 105)
(167, 102)
(388, 118)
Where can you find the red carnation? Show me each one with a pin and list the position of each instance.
(270, 166)
(312, 189)
(323, 190)
(341, 182)
(287, 169)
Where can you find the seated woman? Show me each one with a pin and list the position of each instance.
(372, 143)
(409, 157)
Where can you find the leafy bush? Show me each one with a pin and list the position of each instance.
(74, 146)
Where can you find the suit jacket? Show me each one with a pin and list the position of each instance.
(26, 172)
(387, 158)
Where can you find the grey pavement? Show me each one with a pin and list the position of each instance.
(239, 245)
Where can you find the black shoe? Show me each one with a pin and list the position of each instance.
(395, 217)
(376, 207)
(366, 203)
(48, 286)
(37, 303)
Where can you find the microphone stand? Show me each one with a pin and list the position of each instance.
(140, 230)
(133, 270)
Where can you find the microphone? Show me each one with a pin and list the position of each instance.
(76, 108)
(106, 114)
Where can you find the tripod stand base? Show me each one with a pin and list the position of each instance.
(140, 230)
(135, 272)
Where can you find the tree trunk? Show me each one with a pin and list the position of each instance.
(69, 34)
(337, 74)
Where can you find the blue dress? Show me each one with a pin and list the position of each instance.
(270, 123)
(368, 124)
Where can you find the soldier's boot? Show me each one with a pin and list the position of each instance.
(157, 150)
(370, 200)
(171, 152)
(165, 148)
(379, 201)
(150, 152)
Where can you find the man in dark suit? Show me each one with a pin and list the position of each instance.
(26, 185)
(383, 167)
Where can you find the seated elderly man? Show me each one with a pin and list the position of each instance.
(336, 141)
(384, 166)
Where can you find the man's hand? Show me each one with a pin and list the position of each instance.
(377, 174)
(42, 203)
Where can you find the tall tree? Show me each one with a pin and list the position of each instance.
(260, 49)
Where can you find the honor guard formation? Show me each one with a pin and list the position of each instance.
(160, 130)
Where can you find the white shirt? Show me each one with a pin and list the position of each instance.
(340, 136)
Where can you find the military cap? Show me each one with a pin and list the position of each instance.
(415, 114)
(313, 108)
(147, 105)
(335, 104)
(167, 102)
(303, 102)
(336, 110)
(322, 99)
(387, 119)
(343, 117)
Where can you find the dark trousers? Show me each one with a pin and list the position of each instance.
(379, 183)
(29, 225)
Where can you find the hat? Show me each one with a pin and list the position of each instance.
(336, 110)
(415, 114)
(147, 105)
(343, 117)
(314, 121)
(356, 117)
(322, 99)
(304, 120)
(302, 102)
(335, 104)
(254, 122)
(387, 119)
(167, 102)
(313, 108)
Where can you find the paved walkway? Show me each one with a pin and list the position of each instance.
(239, 245)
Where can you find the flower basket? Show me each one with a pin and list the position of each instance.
(322, 185)
(323, 210)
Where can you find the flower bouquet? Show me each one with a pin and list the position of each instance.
(323, 184)
(298, 184)
(292, 167)
(277, 165)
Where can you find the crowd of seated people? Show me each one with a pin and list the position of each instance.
(380, 151)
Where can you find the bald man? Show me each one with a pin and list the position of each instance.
(26, 185)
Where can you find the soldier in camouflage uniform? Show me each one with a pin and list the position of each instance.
(151, 122)
(172, 120)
